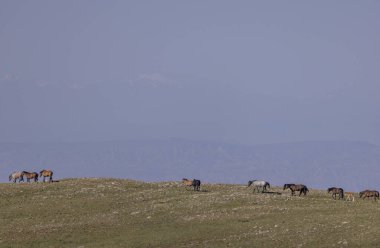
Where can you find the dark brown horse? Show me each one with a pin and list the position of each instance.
(336, 191)
(47, 173)
(30, 175)
(296, 187)
(369, 193)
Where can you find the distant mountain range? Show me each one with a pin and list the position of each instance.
(352, 165)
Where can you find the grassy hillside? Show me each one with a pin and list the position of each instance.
(123, 213)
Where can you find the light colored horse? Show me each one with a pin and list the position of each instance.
(47, 173)
(187, 182)
(350, 196)
(259, 184)
(17, 175)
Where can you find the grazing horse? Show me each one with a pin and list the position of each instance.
(17, 175)
(194, 183)
(47, 173)
(187, 182)
(30, 175)
(296, 187)
(259, 184)
(369, 193)
(336, 191)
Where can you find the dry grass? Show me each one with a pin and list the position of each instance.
(124, 213)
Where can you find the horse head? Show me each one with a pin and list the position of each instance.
(249, 183)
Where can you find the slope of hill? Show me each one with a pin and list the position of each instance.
(352, 165)
(123, 213)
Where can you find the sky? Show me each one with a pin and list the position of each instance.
(237, 71)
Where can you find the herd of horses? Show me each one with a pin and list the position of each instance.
(19, 175)
(258, 185)
(262, 186)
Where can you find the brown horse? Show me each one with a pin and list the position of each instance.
(296, 187)
(30, 175)
(336, 191)
(369, 193)
(47, 173)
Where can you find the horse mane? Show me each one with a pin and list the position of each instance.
(287, 185)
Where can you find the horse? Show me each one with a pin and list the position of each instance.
(30, 175)
(369, 193)
(17, 175)
(336, 191)
(47, 173)
(296, 187)
(187, 182)
(194, 183)
(259, 184)
(350, 196)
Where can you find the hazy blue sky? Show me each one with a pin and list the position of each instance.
(241, 71)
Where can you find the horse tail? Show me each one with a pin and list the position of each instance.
(10, 177)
